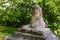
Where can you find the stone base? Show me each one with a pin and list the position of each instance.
(24, 36)
(35, 31)
(48, 35)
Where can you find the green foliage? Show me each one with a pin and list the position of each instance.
(51, 14)
(15, 13)
(7, 30)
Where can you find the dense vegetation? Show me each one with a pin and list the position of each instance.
(15, 13)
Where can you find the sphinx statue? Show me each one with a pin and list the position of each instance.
(36, 30)
(36, 21)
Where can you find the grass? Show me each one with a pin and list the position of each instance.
(6, 31)
(2, 35)
(1, 38)
(9, 30)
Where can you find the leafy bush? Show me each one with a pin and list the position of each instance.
(51, 14)
(18, 12)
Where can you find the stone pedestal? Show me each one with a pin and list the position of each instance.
(40, 35)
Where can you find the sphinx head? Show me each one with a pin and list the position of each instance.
(36, 9)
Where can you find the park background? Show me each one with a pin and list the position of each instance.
(15, 13)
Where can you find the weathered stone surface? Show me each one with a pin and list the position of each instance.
(47, 35)
(23, 36)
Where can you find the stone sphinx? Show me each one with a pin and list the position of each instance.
(36, 30)
(36, 22)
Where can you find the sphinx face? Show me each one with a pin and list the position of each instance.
(36, 11)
